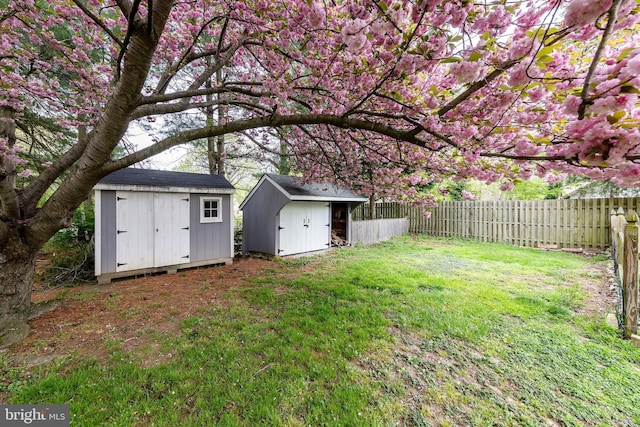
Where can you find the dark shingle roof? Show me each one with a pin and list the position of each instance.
(157, 178)
(294, 187)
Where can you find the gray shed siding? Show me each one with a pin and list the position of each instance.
(108, 230)
(210, 240)
(260, 220)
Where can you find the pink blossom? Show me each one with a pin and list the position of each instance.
(354, 35)
(537, 94)
(614, 103)
(317, 16)
(571, 104)
(632, 68)
(584, 12)
(25, 173)
(518, 75)
(519, 48)
(499, 17)
(466, 71)
(467, 196)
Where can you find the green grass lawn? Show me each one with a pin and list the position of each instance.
(416, 331)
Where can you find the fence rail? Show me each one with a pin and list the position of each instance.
(564, 223)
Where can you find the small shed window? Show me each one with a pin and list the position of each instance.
(210, 209)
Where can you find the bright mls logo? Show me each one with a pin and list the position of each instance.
(34, 415)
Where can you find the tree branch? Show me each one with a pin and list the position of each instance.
(273, 120)
(98, 22)
(173, 68)
(611, 21)
(220, 61)
(477, 86)
(189, 56)
(131, 17)
(393, 68)
(125, 6)
(217, 65)
(31, 195)
(146, 101)
(178, 108)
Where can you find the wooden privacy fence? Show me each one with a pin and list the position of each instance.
(378, 230)
(562, 223)
(624, 243)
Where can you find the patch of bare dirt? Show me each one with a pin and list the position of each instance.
(600, 287)
(85, 319)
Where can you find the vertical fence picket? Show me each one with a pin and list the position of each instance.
(565, 223)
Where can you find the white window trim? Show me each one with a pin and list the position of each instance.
(218, 218)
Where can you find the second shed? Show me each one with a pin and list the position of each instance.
(282, 216)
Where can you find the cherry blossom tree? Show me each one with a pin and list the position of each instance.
(386, 96)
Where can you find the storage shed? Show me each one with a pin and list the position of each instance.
(281, 216)
(151, 221)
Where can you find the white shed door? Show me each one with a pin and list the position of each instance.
(318, 226)
(303, 227)
(292, 230)
(134, 230)
(171, 241)
(152, 230)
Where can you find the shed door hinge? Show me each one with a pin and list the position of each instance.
(121, 231)
(120, 198)
(120, 264)
(185, 228)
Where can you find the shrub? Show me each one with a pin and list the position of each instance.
(72, 250)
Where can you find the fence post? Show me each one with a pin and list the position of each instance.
(630, 277)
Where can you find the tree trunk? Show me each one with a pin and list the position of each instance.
(372, 206)
(25, 229)
(222, 112)
(284, 165)
(17, 266)
(209, 119)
